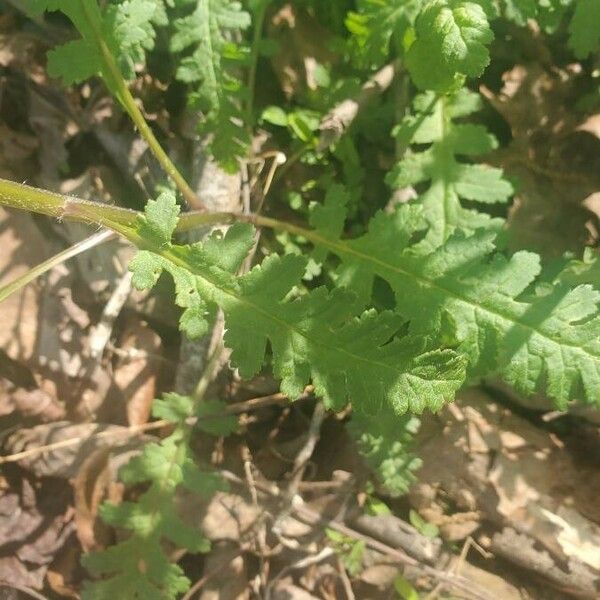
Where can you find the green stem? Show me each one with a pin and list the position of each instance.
(25, 197)
(137, 117)
(254, 55)
(129, 103)
(74, 250)
(123, 220)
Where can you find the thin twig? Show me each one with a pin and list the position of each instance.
(101, 333)
(88, 243)
(340, 117)
(126, 432)
(345, 580)
(300, 462)
(24, 590)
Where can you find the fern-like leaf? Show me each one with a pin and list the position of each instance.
(540, 339)
(385, 441)
(318, 336)
(138, 567)
(124, 31)
(209, 33)
(451, 179)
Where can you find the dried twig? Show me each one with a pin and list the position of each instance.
(74, 250)
(102, 332)
(132, 431)
(310, 517)
(337, 120)
(300, 462)
(345, 580)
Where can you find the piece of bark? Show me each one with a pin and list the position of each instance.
(340, 117)
(521, 549)
(398, 534)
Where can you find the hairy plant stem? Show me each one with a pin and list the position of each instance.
(130, 105)
(123, 220)
(135, 113)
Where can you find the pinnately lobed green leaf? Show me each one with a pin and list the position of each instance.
(210, 56)
(319, 337)
(451, 43)
(538, 339)
(442, 164)
(139, 567)
(126, 30)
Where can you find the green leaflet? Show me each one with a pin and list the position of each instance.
(208, 33)
(442, 165)
(316, 337)
(584, 28)
(385, 441)
(125, 30)
(451, 43)
(377, 22)
(139, 566)
(545, 340)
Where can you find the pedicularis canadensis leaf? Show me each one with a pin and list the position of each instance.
(124, 31)
(443, 164)
(209, 62)
(319, 337)
(451, 43)
(538, 338)
(139, 566)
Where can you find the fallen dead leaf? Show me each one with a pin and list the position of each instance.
(20, 311)
(90, 489)
(137, 369)
(19, 392)
(80, 440)
(34, 524)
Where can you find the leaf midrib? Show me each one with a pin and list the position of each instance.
(169, 255)
(342, 248)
